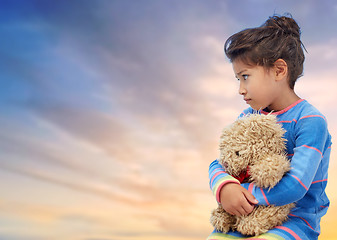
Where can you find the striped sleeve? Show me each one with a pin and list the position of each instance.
(218, 178)
(311, 141)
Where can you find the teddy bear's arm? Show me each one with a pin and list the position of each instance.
(270, 171)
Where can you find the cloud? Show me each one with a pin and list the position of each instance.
(137, 85)
(144, 91)
(47, 177)
(318, 82)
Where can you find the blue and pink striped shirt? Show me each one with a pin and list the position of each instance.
(308, 147)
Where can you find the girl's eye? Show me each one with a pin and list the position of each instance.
(243, 77)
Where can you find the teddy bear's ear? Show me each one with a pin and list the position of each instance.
(224, 137)
(228, 131)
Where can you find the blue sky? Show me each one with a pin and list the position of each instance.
(111, 111)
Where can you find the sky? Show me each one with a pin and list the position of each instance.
(111, 111)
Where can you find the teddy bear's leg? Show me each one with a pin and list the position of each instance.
(221, 220)
(262, 219)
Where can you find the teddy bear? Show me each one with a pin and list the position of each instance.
(252, 149)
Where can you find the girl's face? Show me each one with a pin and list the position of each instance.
(257, 85)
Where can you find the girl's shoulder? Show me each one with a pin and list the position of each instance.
(302, 109)
(307, 111)
(309, 118)
(247, 111)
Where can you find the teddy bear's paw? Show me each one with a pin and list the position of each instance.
(221, 220)
(250, 228)
(262, 219)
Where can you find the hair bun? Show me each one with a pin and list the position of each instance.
(285, 25)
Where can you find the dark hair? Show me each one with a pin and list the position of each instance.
(277, 38)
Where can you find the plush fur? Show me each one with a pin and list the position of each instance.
(256, 141)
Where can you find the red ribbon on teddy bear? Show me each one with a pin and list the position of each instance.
(244, 175)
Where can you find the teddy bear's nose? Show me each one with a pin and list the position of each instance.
(225, 164)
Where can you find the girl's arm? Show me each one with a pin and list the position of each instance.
(311, 137)
(233, 198)
(218, 178)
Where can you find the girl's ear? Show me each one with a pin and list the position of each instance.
(281, 69)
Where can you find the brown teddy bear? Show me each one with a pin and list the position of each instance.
(253, 149)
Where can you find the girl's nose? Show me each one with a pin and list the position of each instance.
(242, 89)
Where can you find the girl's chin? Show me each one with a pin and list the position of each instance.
(257, 108)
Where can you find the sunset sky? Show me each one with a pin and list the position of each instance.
(111, 111)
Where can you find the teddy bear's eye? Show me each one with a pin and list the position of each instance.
(237, 153)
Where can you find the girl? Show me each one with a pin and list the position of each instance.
(267, 61)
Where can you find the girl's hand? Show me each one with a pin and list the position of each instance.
(237, 200)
